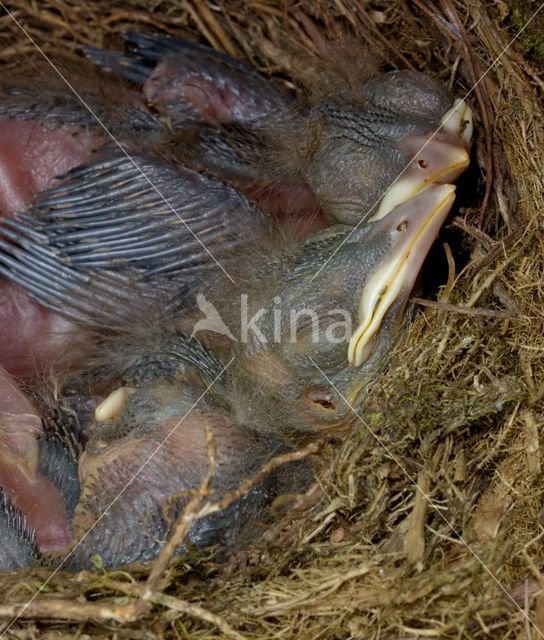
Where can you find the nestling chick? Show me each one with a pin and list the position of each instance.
(120, 243)
(315, 327)
(151, 448)
(184, 80)
(349, 147)
(137, 469)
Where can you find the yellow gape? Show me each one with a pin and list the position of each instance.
(438, 159)
(417, 223)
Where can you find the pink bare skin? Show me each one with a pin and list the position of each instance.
(216, 96)
(214, 103)
(293, 206)
(31, 155)
(33, 494)
(31, 337)
(223, 98)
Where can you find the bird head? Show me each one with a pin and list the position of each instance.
(364, 154)
(327, 331)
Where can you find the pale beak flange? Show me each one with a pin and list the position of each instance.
(436, 159)
(416, 224)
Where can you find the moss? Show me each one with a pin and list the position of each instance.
(531, 38)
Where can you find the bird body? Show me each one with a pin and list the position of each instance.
(17, 547)
(125, 241)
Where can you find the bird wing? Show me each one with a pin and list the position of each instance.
(122, 225)
(93, 106)
(188, 79)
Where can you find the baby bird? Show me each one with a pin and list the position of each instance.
(37, 498)
(119, 246)
(140, 463)
(151, 447)
(324, 321)
(348, 148)
(184, 81)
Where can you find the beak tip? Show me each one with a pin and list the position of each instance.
(458, 122)
(398, 269)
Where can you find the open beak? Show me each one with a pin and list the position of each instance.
(436, 159)
(414, 226)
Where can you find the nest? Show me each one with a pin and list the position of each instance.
(427, 521)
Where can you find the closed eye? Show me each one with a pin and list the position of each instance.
(321, 397)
